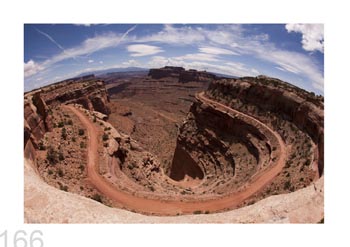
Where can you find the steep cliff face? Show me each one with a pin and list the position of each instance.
(194, 75)
(221, 148)
(92, 95)
(86, 91)
(303, 109)
(181, 74)
(167, 71)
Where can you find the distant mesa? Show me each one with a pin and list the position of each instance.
(182, 74)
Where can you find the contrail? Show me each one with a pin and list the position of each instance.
(126, 34)
(50, 38)
(53, 41)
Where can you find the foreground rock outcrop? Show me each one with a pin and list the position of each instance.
(45, 204)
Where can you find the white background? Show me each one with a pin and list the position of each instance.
(335, 16)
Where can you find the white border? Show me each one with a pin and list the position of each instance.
(334, 15)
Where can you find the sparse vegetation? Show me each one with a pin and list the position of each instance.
(60, 156)
(64, 187)
(81, 132)
(52, 155)
(197, 212)
(105, 137)
(64, 134)
(97, 197)
(82, 145)
(60, 124)
(41, 146)
(60, 172)
(287, 185)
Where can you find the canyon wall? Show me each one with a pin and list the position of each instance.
(293, 104)
(87, 91)
(181, 74)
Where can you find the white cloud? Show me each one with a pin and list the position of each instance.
(90, 61)
(131, 63)
(176, 36)
(216, 51)
(89, 46)
(312, 35)
(140, 50)
(229, 68)
(198, 57)
(31, 68)
(84, 24)
(101, 62)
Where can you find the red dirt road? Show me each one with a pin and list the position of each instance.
(163, 207)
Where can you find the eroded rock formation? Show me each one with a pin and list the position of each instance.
(243, 140)
(181, 74)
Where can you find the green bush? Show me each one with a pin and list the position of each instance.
(81, 132)
(41, 146)
(60, 124)
(52, 155)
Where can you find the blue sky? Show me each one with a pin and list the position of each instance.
(291, 52)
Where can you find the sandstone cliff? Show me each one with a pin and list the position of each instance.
(181, 74)
(293, 104)
(87, 91)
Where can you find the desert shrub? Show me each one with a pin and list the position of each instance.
(82, 167)
(105, 137)
(50, 172)
(287, 185)
(64, 187)
(60, 172)
(41, 146)
(73, 139)
(105, 144)
(60, 156)
(197, 212)
(52, 155)
(97, 197)
(64, 134)
(70, 122)
(94, 119)
(308, 162)
(82, 145)
(81, 188)
(107, 128)
(60, 124)
(81, 132)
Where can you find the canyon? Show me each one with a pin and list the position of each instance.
(175, 145)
